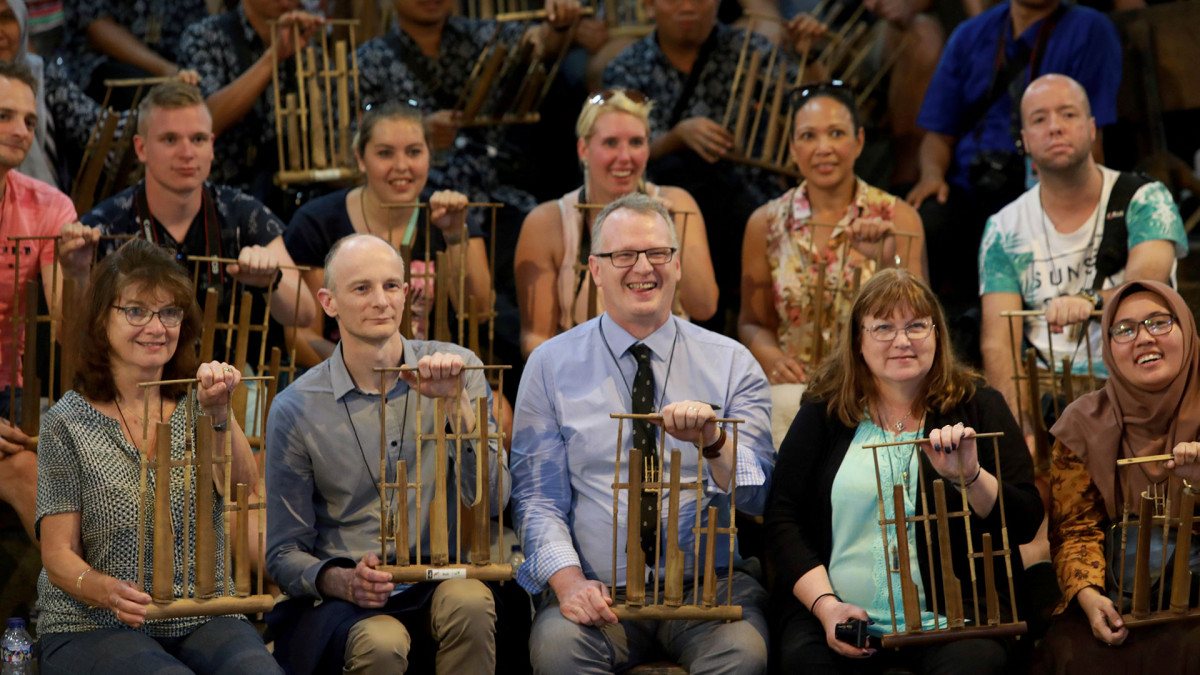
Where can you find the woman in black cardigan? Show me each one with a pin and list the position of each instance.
(893, 377)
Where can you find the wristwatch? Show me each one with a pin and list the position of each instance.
(1093, 297)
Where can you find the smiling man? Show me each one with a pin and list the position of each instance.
(1067, 242)
(636, 357)
(323, 440)
(176, 206)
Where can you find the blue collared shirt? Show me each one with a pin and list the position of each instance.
(563, 454)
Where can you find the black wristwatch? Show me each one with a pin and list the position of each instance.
(1095, 298)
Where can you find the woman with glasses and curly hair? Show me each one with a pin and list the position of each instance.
(613, 144)
(1150, 405)
(139, 323)
(892, 376)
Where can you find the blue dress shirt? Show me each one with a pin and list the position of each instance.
(563, 458)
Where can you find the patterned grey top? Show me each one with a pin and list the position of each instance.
(85, 464)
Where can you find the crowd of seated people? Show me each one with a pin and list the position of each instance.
(678, 281)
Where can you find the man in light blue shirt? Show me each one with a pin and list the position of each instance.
(563, 459)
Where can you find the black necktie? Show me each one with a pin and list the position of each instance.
(644, 440)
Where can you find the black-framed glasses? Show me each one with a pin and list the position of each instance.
(801, 94)
(1159, 323)
(602, 97)
(655, 256)
(137, 315)
(886, 332)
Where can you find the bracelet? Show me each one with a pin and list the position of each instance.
(968, 484)
(714, 451)
(221, 426)
(813, 608)
(79, 580)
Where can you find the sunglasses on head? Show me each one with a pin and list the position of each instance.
(600, 98)
(800, 95)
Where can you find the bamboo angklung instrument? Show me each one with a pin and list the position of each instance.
(669, 565)
(1156, 509)
(394, 522)
(953, 624)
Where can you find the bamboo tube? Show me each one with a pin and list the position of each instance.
(440, 327)
(819, 321)
(908, 589)
(92, 169)
(402, 553)
(295, 160)
(241, 547)
(279, 111)
(684, 613)
(481, 510)
(206, 536)
(184, 608)
(673, 589)
(762, 100)
(950, 583)
(635, 557)
(439, 533)
(67, 371)
(863, 51)
(1181, 583)
(710, 554)
(343, 102)
(164, 538)
(773, 120)
(1141, 571)
(479, 96)
(242, 346)
(1126, 461)
(989, 581)
(418, 573)
(316, 125)
(31, 392)
(616, 510)
(747, 94)
(737, 80)
(887, 65)
(1041, 443)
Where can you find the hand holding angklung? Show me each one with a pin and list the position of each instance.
(952, 452)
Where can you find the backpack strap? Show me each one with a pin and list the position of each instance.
(1114, 243)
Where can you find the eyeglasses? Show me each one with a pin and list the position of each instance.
(801, 94)
(411, 103)
(655, 256)
(1156, 324)
(886, 332)
(140, 316)
(600, 98)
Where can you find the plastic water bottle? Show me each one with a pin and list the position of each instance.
(17, 648)
(516, 557)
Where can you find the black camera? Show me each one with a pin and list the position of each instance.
(852, 632)
(996, 172)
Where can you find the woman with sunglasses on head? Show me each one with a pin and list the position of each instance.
(613, 145)
(1150, 405)
(892, 376)
(139, 323)
(392, 149)
(788, 239)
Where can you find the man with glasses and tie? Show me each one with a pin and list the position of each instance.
(634, 358)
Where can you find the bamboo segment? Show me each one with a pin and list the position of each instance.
(206, 536)
(773, 121)
(402, 546)
(950, 583)
(673, 595)
(747, 95)
(1141, 572)
(710, 555)
(316, 125)
(343, 94)
(635, 557)
(295, 159)
(439, 532)
(241, 547)
(164, 536)
(479, 96)
(989, 582)
(481, 510)
(31, 392)
(183, 607)
(908, 589)
(1181, 583)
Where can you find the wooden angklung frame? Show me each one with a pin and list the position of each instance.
(1031, 382)
(110, 155)
(945, 589)
(395, 505)
(759, 111)
(203, 593)
(1157, 518)
(312, 123)
(703, 603)
(509, 82)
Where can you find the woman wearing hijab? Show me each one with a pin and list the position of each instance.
(1149, 406)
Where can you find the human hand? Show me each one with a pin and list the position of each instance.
(952, 452)
(560, 14)
(443, 128)
(592, 34)
(786, 370)
(76, 247)
(128, 603)
(691, 422)
(215, 382)
(803, 31)
(439, 375)
(12, 439)
(256, 266)
(188, 76)
(367, 586)
(707, 138)
(448, 211)
(308, 25)
(832, 611)
(927, 187)
(586, 602)
(898, 12)
(1186, 464)
(1103, 616)
(1066, 310)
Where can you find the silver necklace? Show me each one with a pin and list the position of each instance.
(1087, 254)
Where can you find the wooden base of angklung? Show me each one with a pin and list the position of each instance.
(185, 607)
(644, 480)
(936, 526)
(394, 525)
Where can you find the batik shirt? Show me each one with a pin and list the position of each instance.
(1023, 253)
(644, 67)
(171, 17)
(247, 148)
(795, 262)
(393, 68)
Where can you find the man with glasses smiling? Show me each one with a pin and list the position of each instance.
(636, 357)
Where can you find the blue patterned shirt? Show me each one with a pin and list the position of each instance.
(563, 456)
(173, 16)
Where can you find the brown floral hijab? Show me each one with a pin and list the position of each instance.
(1122, 420)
